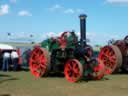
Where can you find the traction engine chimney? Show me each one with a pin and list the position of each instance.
(83, 29)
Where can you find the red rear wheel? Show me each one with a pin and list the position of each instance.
(39, 60)
(73, 70)
(111, 58)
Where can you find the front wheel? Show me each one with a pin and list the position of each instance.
(99, 71)
(73, 70)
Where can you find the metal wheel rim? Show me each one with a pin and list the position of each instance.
(38, 62)
(111, 58)
(73, 70)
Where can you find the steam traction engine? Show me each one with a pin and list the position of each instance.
(115, 56)
(66, 54)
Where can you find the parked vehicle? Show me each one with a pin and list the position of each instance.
(66, 54)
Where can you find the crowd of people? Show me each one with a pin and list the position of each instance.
(10, 58)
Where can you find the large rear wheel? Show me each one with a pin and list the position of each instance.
(111, 58)
(39, 62)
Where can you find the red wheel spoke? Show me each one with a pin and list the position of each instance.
(38, 62)
(69, 66)
(35, 68)
(73, 70)
(43, 66)
(111, 64)
(112, 61)
(40, 53)
(76, 69)
(75, 75)
(43, 61)
(111, 53)
(107, 51)
(34, 55)
(41, 57)
(111, 58)
(104, 55)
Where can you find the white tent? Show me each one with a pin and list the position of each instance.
(6, 47)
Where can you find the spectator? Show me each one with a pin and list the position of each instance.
(14, 57)
(6, 57)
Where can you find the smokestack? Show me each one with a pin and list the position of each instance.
(83, 29)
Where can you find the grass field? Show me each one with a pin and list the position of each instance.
(24, 84)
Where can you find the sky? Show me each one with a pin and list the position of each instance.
(106, 19)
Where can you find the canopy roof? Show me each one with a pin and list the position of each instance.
(6, 47)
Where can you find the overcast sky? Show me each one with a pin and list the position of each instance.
(106, 19)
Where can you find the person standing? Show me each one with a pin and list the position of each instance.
(14, 58)
(6, 57)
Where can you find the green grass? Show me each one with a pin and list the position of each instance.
(24, 84)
